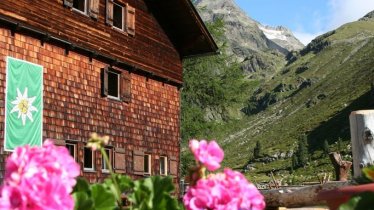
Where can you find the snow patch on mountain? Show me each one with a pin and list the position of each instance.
(282, 36)
(273, 33)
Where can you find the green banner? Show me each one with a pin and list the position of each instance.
(24, 104)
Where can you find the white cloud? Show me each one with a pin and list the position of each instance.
(341, 12)
(306, 38)
(317, 26)
(344, 11)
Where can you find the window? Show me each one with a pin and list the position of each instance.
(163, 165)
(120, 17)
(80, 5)
(88, 159)
(87, 7)
(118, 14)
(72, 148)
(116, 84)
(113, 84)
(104, 165)
(147, 164)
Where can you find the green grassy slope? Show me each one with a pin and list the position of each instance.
(312, 95)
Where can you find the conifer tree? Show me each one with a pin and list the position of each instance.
(302, 152)
(212, 84)
(294, 163)
(339, 145)
(257, 150)
(326, 149)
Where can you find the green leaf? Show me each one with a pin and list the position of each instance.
(142, 197)
(82, 201)
(362, 201)
(163, 188)
(103, 198)
(125, 183)
(143, 194)
(369, 172)
(153, 193)
(82, 185)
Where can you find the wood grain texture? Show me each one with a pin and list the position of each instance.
(150, 48)
(362, 131)
(293, 197)
(74, 106)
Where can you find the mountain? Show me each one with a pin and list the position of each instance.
(311, 96)
(250, 42)
(368, 17)
(283, 37)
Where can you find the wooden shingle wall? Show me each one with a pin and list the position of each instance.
(149, 48)
(74, 106)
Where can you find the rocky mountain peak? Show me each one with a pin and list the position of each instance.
(261, 47)
(282, 36)
(368, 17)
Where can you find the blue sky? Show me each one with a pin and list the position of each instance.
(306, 18)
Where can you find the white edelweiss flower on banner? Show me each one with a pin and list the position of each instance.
(23, 105)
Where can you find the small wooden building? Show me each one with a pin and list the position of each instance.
(113, 67)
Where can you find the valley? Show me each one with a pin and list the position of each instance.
(293, 93)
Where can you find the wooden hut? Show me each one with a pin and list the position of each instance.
(110, 67)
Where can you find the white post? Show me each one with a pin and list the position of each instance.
(362, 133)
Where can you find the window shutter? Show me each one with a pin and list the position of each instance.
(109, 12)
(138, 158)
(119, 160)
(130, 20)
(125, 87)
(68, 3)
(93, 9)
(104, 81)
(173, 166)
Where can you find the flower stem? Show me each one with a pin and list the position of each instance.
(113, 177)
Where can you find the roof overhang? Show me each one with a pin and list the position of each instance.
(184, 27)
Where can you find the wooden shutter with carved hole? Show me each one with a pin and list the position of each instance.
(138, 160)
(119, 160)
(104, 81)
(130, 20)
(68, 3)
(173, 166)
(109, 12)
(125, 87)
(93, 9)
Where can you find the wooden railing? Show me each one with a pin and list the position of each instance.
(292, 197)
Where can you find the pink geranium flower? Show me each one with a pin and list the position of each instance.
(39, 178)
(229, 190)
(224, 191)
(209, 154)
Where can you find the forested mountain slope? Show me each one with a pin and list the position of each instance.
(309, 98)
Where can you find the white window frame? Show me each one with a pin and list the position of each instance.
(123, 16)
(149, 171)
(165, 162)
(103, 163)
(74, 148)
(118, 85)
(85, 12)
(93, 160)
